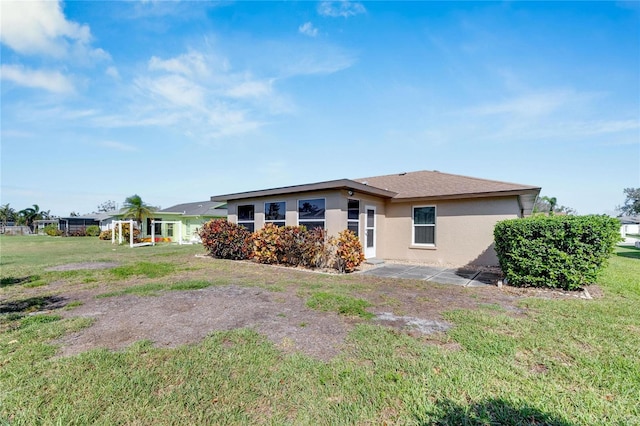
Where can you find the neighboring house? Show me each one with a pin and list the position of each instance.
(190, 215)
(629, 225)
(423, 216)
(72, 224)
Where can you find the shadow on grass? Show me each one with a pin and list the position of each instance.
(33, 304)
(493, 412)
(629, 251)
(7, 281)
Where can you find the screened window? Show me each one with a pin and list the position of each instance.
(424, 225)
(169, 229)
(311, 213)
(275, 213)
(246, 217)
(353, 216)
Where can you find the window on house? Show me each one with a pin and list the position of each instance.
(246, 217)
(169, 229)
(157, 226)
(353, 216)
(311, 213)
(424, 225)
(275, 213)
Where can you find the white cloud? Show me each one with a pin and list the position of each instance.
(531, 104)
(17, 134)
(199, 94)
(343, 9)
(113, 72)
(40, 28)
(174, 90)
(250, 89)
(118, 146)
(318, 62)
(308, 29)
(550, 115)
(52, 81)
(192, 64)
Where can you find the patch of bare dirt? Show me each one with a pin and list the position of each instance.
(175, 318)
(182, 317)
(83, 265)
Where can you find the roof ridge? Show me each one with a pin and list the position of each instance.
(449, 174)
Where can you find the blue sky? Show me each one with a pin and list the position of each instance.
(179, 101)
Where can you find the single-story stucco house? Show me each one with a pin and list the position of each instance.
(423, 216)
(629, 225)
(72, 224)
(190, 215)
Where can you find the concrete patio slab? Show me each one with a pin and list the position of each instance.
(461, 277)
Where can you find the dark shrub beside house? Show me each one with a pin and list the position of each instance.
(284, 245)
(226, 240)
(564, 252)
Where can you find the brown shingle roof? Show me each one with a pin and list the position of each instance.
(426, 183)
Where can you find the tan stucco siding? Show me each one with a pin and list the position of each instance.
(335, 209)
(463, 234)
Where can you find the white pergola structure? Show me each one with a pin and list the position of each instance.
(175, 222)
(117, 224)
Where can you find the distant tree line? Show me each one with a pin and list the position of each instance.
(24, 217)
(549, 206)
(631, 206)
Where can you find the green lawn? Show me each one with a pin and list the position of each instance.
(556, 362)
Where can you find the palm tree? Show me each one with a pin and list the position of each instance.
(552, 204)
(7, 214)
(136, 209)
(29, 215)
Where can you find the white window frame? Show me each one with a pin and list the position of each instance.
(414, 225)
(324, 221)
(242, 222)
(283, 221)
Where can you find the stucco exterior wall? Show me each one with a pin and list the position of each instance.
(463, 235)
(335, 209)
(464, 228)
(336, 206)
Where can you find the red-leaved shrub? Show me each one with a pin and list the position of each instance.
(266, 244)
(349, 253)
(226, 240)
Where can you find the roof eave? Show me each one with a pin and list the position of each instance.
(461, 196)
(311, 187)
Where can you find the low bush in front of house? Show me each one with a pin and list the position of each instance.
(296, 246)
(52, 230)
(349, 253)
(78, 232)
(106, 235)
(286, 245)
(267, 245)
(564, 252)
(92, 231)
(226, 240)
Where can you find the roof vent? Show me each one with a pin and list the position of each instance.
(402, 174)
(365, 183)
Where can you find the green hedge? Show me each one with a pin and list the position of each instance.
(555, 251)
